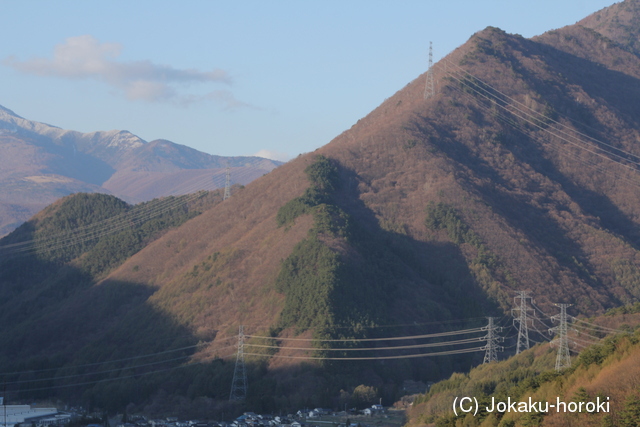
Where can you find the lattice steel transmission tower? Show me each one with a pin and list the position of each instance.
(492, 339)
(429, 88)
(563, 359)
(239, 383)
(522, 320)
(227, 185)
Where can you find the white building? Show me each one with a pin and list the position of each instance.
(12, 415)
(56, 420)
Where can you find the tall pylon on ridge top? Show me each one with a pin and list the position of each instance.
(429, 88)
(239, 383)
(563, 359)
(492, 339)
(227, 185)
(523, 321)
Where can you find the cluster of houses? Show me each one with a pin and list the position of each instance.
(302, 418)
(26, 416)
(319, 412)
(169, 422)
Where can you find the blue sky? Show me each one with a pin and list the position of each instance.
(237, 77)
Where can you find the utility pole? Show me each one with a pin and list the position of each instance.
(563, 359)
(429, 88)
(522, 320)
(239, 383)
(492, 339)
(227, 185)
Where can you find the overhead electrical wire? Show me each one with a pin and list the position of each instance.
(603, 328)
(504, 321)
(362, 358)
(531, 122)
(537, 342)
(400, 325)
(588, 330)
(536, 120)
(583, 341)
(588, 337)
(517, 110)
(78, 236)
(165, 352)
(538, 331)
(540, 310)
(126, 359)
(567, 131)
(405, 356)
(168, 202)
(559, 148)
(507, 120)
(580, 342)
(440, 334)
(402, 347)
(35, 380)
(124, 220)
(106, 371)
(570, 130)
(147, 364)
(136, 215)
(187, 365)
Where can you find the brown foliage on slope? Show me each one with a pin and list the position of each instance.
(213, 272)
(529, 146)
(559, 220)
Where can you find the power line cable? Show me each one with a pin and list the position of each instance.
(123, 221)
(126, 359)
(133, 216)
(604, 328)
(397, 325)
(406, 356)
(79, 236)
(573, 338)
(526, 117)
(402, 347)
(441, 334)
(188, 365)
(535, 115)
(581, 330)
(106, 370)
(553, 145)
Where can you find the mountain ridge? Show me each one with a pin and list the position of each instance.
(43, 162)
(618, 22)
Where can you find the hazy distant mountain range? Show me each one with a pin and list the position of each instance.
(40, 163)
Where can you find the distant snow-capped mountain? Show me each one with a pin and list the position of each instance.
(40, 163)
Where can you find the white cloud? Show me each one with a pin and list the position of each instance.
(273, 155)
(222, 97)
(85, 57)
(149, 91)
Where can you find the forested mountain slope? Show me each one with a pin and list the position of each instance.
(519, 172)
(605, 373)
